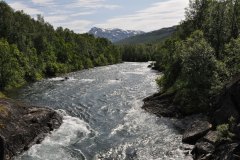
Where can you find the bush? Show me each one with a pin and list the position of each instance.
(231, 56)
(224, 133)
(11, 72)
(200, 74)
(194, 74)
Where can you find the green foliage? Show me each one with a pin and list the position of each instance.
(88, 63)
(31, 50)
(231, 56)
(137, 53)
(149, 38)
(203, 54)
(224, 133)
(11, 74)
(218, 19)
(193, 72)
(198, 74)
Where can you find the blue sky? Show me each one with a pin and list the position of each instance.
(82, 15)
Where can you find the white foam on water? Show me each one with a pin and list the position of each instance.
(87, 80)
(161, 142)
(117, 129)
(56, 145)
(62, 79)
(71, 79)
(137, 72)
(113, 81)
(56, 79)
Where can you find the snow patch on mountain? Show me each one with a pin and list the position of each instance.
(114, 34)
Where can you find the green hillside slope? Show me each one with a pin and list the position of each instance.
(150, 37)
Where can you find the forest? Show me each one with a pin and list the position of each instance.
(137, 52)
(196, 61)
(202, 56)
(32, 49)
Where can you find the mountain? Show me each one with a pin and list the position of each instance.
(114, 35)
(151, 37)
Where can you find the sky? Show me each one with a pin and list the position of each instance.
(81, 15)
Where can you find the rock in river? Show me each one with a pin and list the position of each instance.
(22, 126)
(162, 105)
(197, 130)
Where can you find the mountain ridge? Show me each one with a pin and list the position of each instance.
(149, 37)
(114, 34)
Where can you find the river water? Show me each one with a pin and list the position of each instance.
(103, 118)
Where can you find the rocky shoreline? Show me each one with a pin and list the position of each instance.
(216, 135)
(22, 126)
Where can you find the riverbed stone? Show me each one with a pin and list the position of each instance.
(228, 103)
(226, 111)
(196, 131)
(162, 105)
(22, 126)
(203, 150)
(211, 137)
(226, 152)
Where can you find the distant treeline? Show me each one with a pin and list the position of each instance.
(202, 55)
(32, 49)
(137, 53)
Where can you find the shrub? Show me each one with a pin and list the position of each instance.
(224, 133)
(194, 73)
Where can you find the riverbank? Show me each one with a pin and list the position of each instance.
(217, 136)
(23, 125)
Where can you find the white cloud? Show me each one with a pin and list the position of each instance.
(82, 13)
(56, 18)
(158, 15)
(20, 6)
(79, 26)
(43, 2)
(93, 4)
(71, 14)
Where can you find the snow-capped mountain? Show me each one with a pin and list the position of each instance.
(113, 35)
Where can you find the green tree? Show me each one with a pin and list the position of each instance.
(199, 78)
(231, 56)
(11, 74)
(88, 63)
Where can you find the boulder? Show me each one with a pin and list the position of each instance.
(225, 112)
(161, 104)
(226, 152)
(233, 89)
(204, 147)
(228, 103)
(207, 151)
(236, 130)
(185, 123)
(211, 137)
(196, 131)
(203, 150)
(160, 109)
(22, 126)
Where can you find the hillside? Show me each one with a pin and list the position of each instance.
(151, 37)
(33, 49)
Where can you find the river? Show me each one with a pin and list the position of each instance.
(103, 118)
